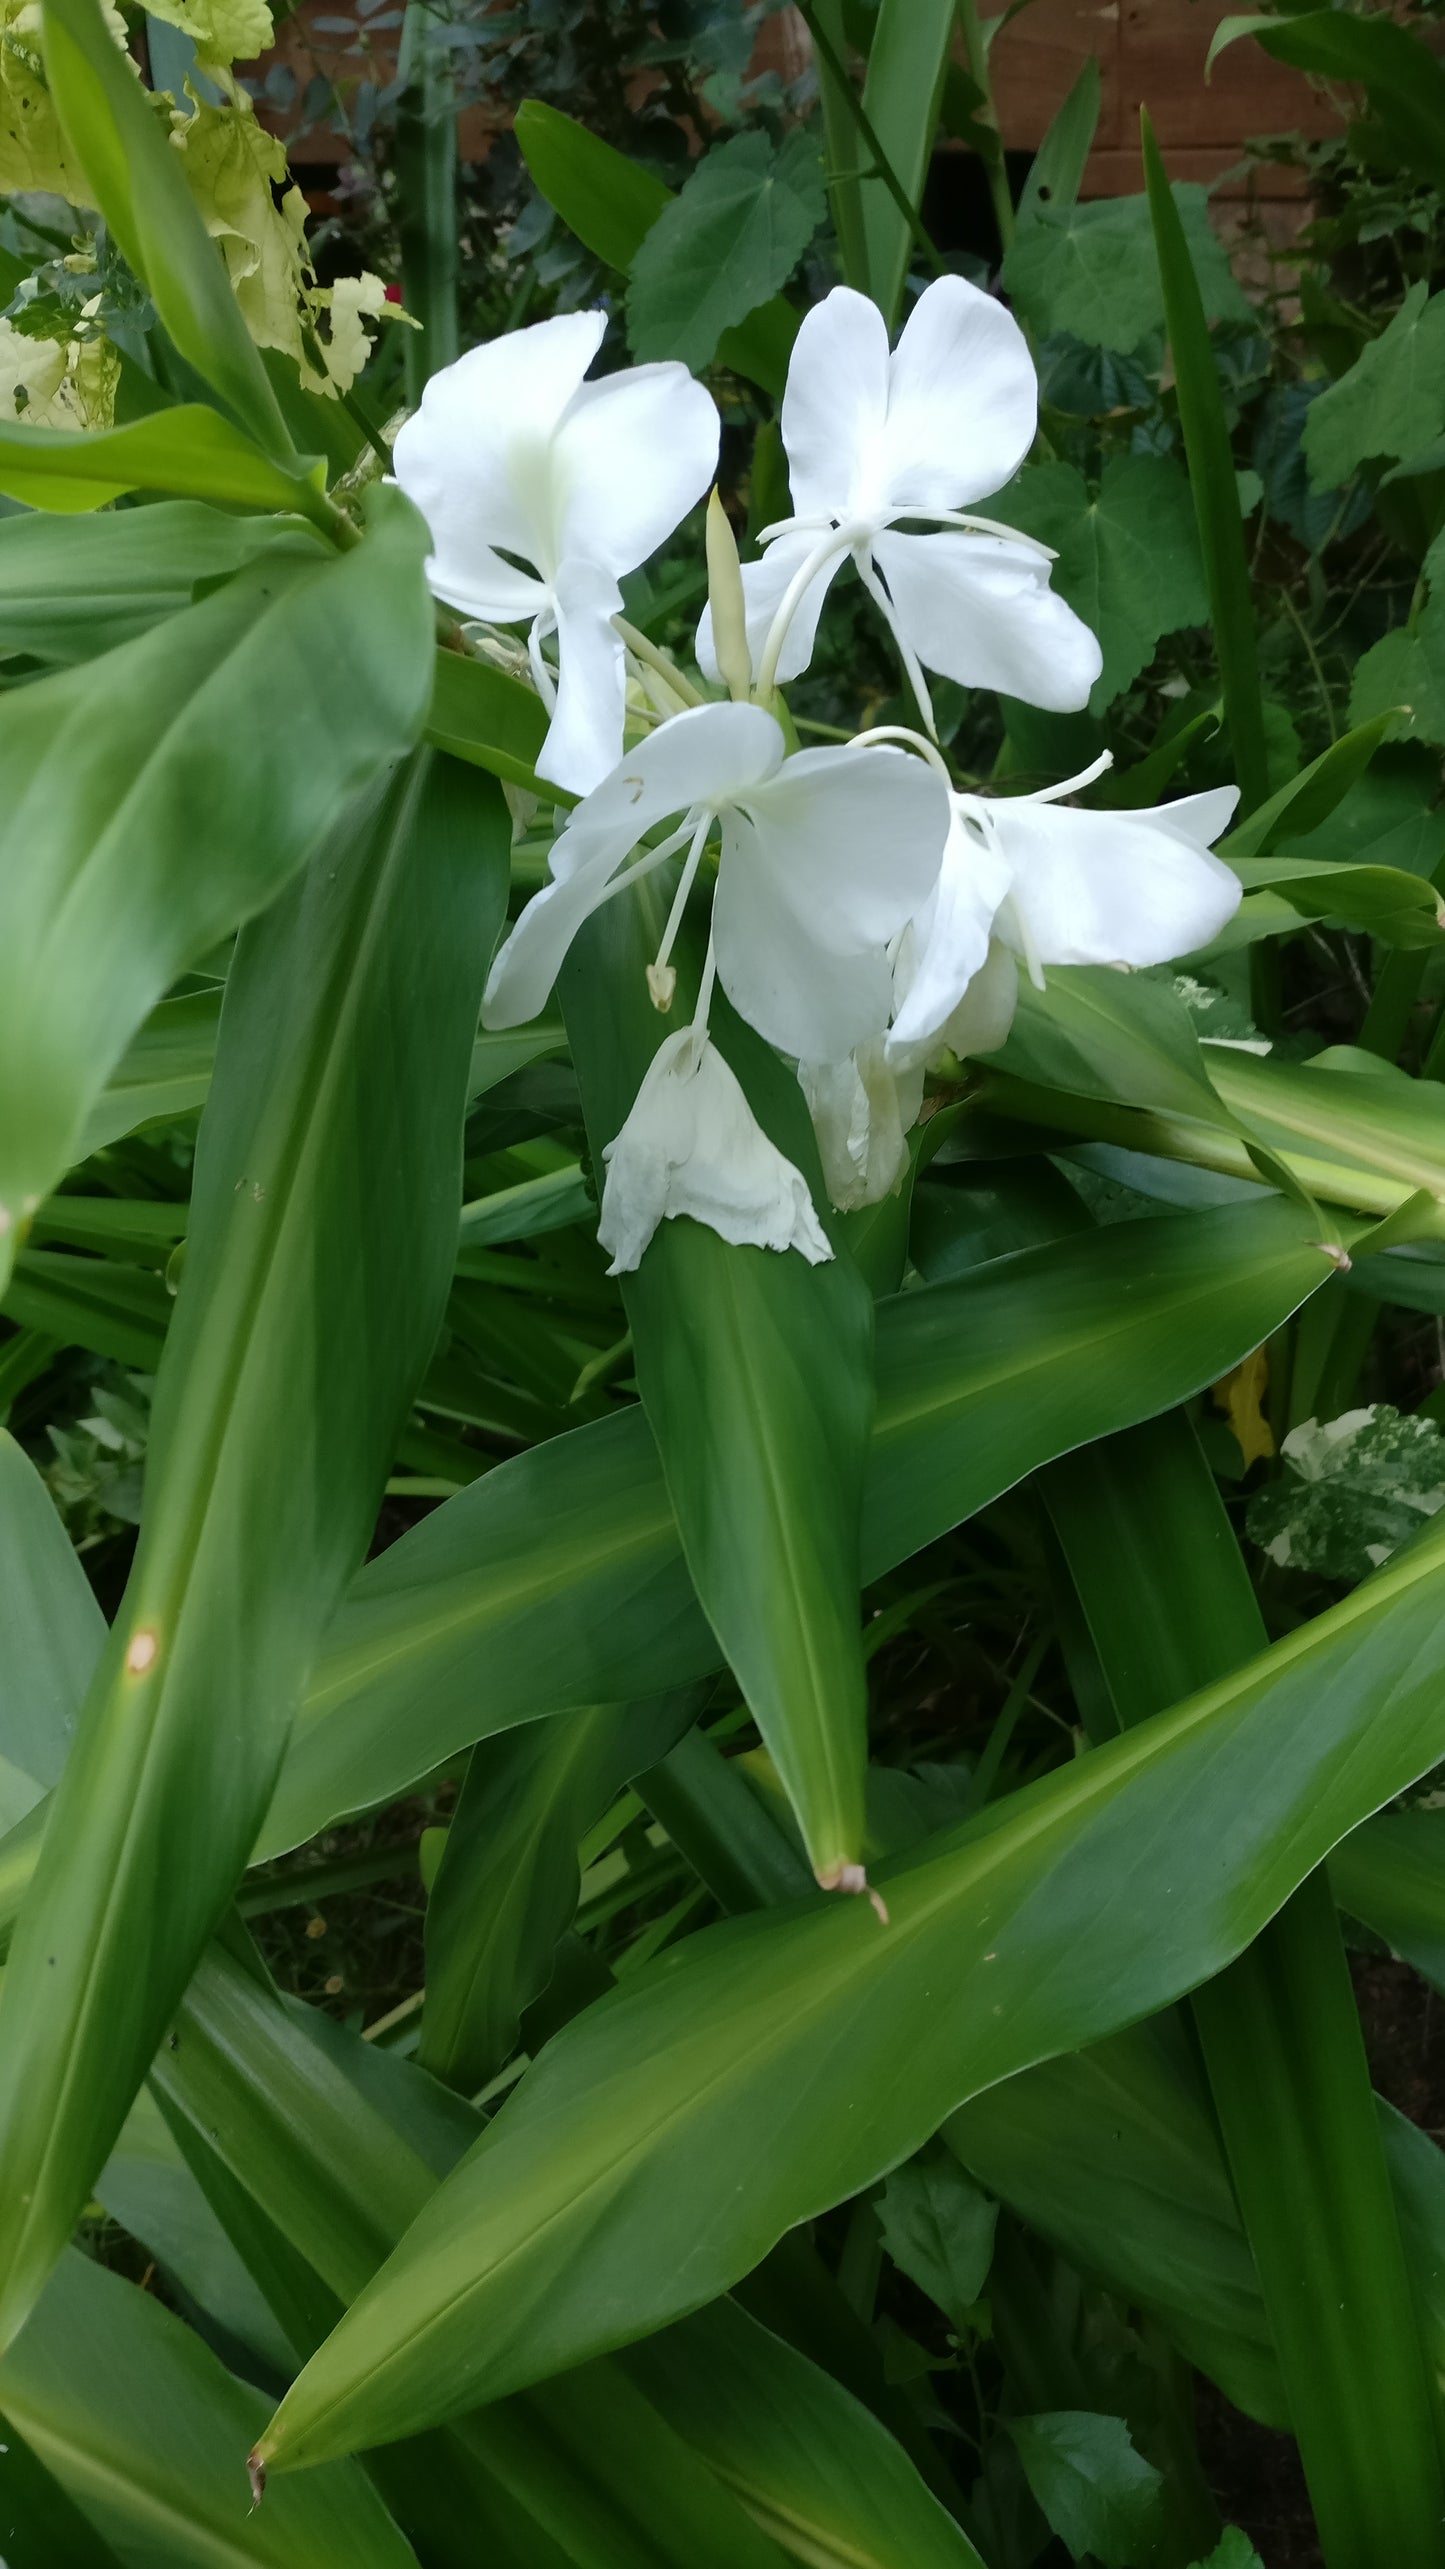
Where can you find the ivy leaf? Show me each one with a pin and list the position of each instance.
(724, 245)
(1092, 270)
(1128, 554)
(1098, 2494)
(1355, 1488)
(1391, 401)
(938, 2227)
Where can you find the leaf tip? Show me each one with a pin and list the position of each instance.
(853, 1879)
(256, 2474)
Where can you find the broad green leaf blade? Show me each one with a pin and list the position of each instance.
(786, 2062)
(1101, 1034)
(756, 1375)
(720, 249)
(1094, 270)
(1058, 166)
(340, 2143)
(164, 1072)
(612, 205)
(1211, 476)
(39, 2524)
(71, 588)
(1099, 2495)
(146, 2432)
(1128, 555)
(53, 1633)
(147, 2187)
(806, 2458)
(1404, 79)
(1279, 2033)
(191, 451)
(507, 1886)
(1311, 798)
(1391, 1876)
(318, 1258)
(907, 59)
(491, 720)
(559, 1578)
(1397, 908)
(1391, 401)
(102, 902)
(140, 189)
(110, 1308)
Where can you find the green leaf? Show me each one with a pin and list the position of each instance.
(908, 58)
(71, 588)
(1057, 170)
(102, 903)
(139, 187)
(1309, 799)
(1403, 675)
(53, 1632)
(41, 2524)
(1128, 555)
(163, 1073)
(1353, 1490)
(1399, 909)
(1187, 268)
(507, 1887)
(1104, 1034)
(1390, 402)
(809, 2462)
(1403, 77)
(721, 248)
(1236, 2551)
(147, 2187)
(1391, 1876)
(318, 1258)
(1097, 2493)
(755, 1372)
(559, 1579)
(480, 714)
(145, 2431)
(938, 2226)
(1093, 269)
(111, 1309)
(612, 205)
(784, 2062)
(189, 450)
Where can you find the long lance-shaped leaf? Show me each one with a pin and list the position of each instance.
(781, 2065)
(1211, 481)
(321, 1242)
(141, 2424)
(140, 188)
(73, 587)
(41, 2524)
(1279, 2032)
(756, 1374)
(559, 1579)
(907, 60)
(1391, 1876)
(190, 450)
(253, 716)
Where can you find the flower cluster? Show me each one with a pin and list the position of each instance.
(866, 915)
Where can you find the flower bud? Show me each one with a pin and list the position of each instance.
(725, 596)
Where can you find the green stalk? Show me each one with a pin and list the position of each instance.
(425, 159)
(879, 164)
(995, 168)
(1279, 2031)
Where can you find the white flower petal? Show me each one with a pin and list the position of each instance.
(821, 867)
(584, 742)
(473, 459)
(981, 1021)
(528, 962)
(699, 756)
(862, 1110)
(980, 610)
(835, 406)
(963, 399)
(764, 586)
(1199, 819)
(950, 940)
(692, 1145)
(1113, 887)
(631, 457)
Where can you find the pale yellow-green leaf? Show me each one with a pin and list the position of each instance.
(57, 383)
(33, 151)
(223, 31)
(232, 167)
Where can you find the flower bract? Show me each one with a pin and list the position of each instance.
(693, 1145)
(880, 445)
(541, 490)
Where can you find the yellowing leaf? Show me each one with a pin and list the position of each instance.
(345, 347)
(223, 31)
(231, 166)
(33, 151)
(57, 383)
(1241, 1395)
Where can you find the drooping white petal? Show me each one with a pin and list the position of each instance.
(474, 457)
(631, 457)
(692, 1145)
(584, 741)
(835, 406)
(1113, 887)
(963, 399)
(949, 940)
(863, 1110)
(699, 756)
(765, 585)
(981, 1021)
(821, 867)
(980, 610)
(530, 958)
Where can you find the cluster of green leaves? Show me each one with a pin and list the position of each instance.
(608, 2196)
